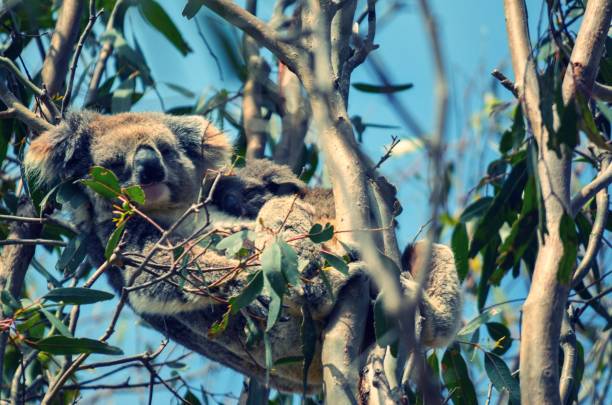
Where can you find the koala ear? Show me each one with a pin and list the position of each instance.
(62, 152)
(200, 139)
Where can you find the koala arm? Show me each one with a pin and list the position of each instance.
(441, 298)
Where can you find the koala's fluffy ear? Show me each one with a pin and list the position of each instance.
(62, 152)
(200, 139)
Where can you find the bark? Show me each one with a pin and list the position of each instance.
(545, 304)
(55, 66)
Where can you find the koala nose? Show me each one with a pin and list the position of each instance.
(148, 166)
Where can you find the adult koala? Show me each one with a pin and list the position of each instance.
(168, 157)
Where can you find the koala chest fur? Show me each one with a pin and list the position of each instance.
(170, 158)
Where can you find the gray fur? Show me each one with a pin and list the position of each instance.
(265, 192)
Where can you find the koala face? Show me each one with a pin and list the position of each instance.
(250, 187)
(166, 155)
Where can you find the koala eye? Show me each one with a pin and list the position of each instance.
(116, 166)
(231, 203)
(165, 149)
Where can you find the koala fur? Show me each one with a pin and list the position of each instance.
(169, 157)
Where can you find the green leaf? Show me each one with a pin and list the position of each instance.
(384, 329)
(501, 335)
(155, 15)
(135, 194)
(308, 333)
(7, 299)
(58, 324)
(113, 241)
(513, 137)
(103, 182)
(191, 8)
(509, 195)
(475, 323)
(320, 234)
(65, 345)
(72, 255)
(191, 399)
(248, 293)
(219, 326)
(336, 262)
(274, 280)
(588, 124)
(456, 378)
(500, 376)
(233, 243)
(373, 88)
(285, 361)
(568, 128)
(122, 96)
(77, 295)
(182, 91)
(569, 238)
(460, 245)
(476, 209)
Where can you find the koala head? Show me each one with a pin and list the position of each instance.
(166, 155)
(247, 190)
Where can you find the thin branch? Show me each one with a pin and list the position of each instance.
(209, 48)
(257, 29)
(570, 358)
(23, 114)
(105, 53)
(36, 220)
(37, 91)
(50, 242)
(602, 92)
(504, 81)
(93, 16)
(603, 180)
(594, 243)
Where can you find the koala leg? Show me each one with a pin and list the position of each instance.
(441, 299)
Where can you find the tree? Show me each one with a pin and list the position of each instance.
(524, 220)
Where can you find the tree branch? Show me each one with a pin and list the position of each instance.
(602, 92)
(257, 29)
(603, 180)
(23, 114)
(93, 16)
(105, 53)
(55, 66)
(588, 49)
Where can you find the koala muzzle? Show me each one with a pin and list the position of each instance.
(148, 166)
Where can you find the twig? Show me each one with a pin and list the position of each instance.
(209, 48)
(256, 28)
(105, 53)
(49, 242)
(388, 151)
(602, 92)
(594, 243)
(20, 111)
(504, 81)
(603, 180)
(44, 220)
(77, 53)
(570, 359)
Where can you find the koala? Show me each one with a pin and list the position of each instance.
(169, 157)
